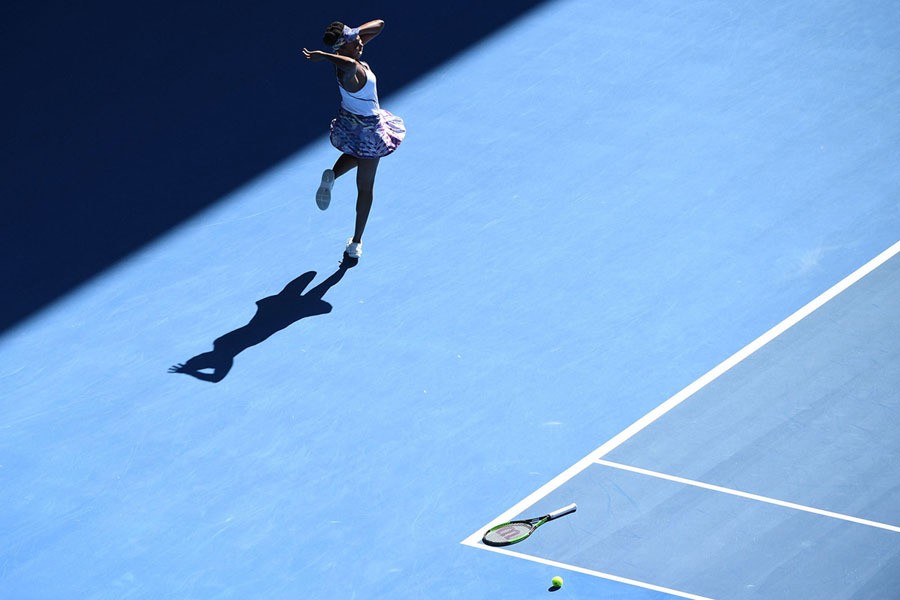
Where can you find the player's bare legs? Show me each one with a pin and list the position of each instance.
(344, 163)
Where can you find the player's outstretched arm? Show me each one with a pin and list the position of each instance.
(341, 62)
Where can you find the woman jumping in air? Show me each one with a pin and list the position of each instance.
(363, 131)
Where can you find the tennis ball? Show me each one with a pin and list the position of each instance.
(557, 581)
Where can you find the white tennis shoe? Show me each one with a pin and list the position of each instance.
(353, 249)
(323, 194)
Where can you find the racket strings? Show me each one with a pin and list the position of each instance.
(509, 533)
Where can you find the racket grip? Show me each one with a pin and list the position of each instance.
(562, 512)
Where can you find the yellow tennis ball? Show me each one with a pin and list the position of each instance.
(557, 581)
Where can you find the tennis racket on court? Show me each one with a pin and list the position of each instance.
(514, 532)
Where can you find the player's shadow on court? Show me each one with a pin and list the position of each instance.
(273, 314)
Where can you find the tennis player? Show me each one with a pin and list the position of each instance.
(363, 131)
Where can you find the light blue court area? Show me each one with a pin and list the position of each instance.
(594, 207)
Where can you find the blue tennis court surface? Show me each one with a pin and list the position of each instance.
(594, 207)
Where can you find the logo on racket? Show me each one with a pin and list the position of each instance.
(508, 532)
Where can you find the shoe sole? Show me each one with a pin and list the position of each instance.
(323, 194)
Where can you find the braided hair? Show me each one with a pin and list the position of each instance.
(333, 33)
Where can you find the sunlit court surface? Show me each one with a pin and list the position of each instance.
(639, 256)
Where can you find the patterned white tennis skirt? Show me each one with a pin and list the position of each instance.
(367, 136)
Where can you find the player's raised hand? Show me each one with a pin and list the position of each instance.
(314, 56)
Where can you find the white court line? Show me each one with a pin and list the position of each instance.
(659, 411)
(733, 492)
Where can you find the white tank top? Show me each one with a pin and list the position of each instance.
(365, 101)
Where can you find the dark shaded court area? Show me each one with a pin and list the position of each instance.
(123, 120)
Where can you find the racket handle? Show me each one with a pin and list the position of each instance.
(562, 512)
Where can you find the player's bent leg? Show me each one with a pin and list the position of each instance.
(344, 164)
